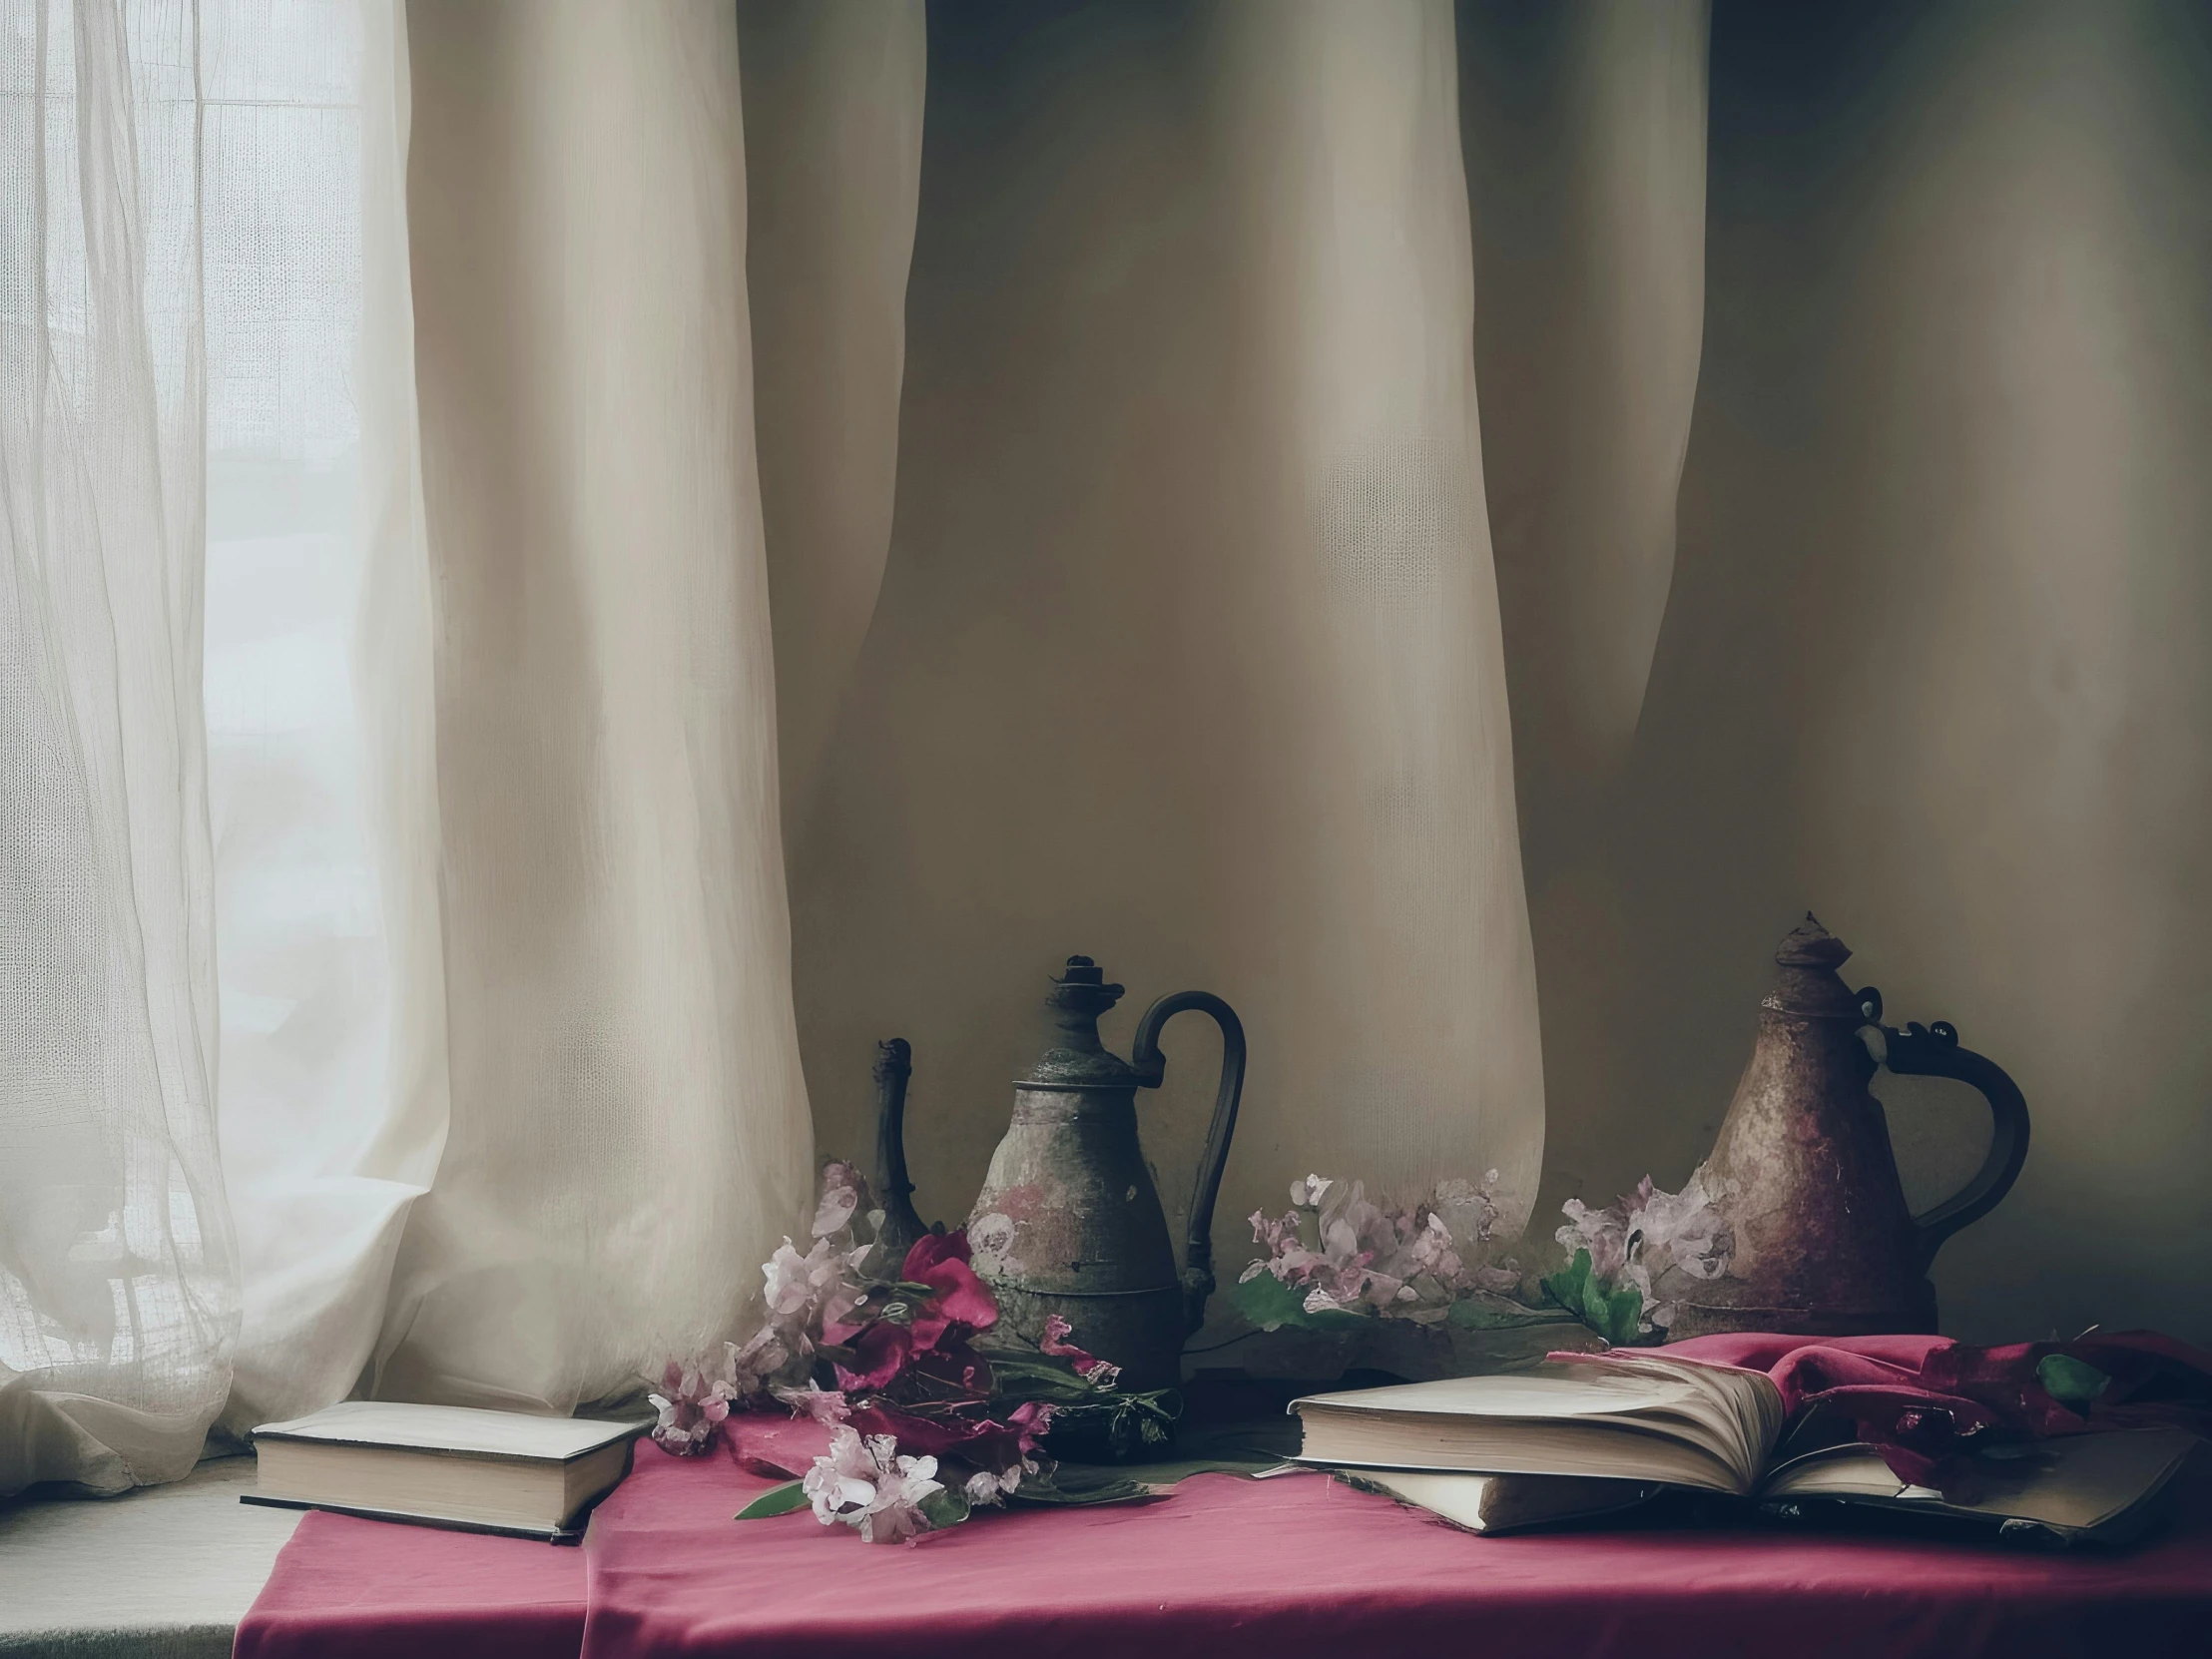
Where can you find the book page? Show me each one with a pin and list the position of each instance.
(1504, 1503)
(1732, 1417)
(1551, 1390)
(452, 1428)
(2076, 1482)
(1415, 1441)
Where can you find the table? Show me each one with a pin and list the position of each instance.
(1226, 1569)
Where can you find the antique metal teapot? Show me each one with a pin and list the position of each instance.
(1068, 1221)
(1823, 1243)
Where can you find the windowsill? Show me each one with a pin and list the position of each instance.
(164, 1572)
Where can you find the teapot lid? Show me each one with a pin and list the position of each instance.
(1079, 1060)
(1807, 983)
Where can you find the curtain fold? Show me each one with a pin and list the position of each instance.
(1186, 655)
(627, 1125)
(832, 118)
(117, 1277)
(1584, 130)
(319, 688)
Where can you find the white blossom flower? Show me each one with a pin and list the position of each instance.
(844, 1194)
(691, 1411)
(798, 1286)
(984, 1489)
(824, 1405)
(896, 1512)
(869, 1485)
(1349, 1253)
(752, 1362)
(842, 1480)
(1659, 1242)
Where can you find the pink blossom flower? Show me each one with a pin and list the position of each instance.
(897, 1511)
(1350, 1254)
(868, 1484)
(973, 1439)
(797, 1286)
(691, 1411)
(751, 1362)
(1085, 1365)
(844, 1194)
(1031, 1422)
(1659, 1242)
(824, 1405)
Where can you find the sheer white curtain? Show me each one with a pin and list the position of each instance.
(628, 1132)
(119, 1291)
(316, 661)
(613, 455)
(511, 1092)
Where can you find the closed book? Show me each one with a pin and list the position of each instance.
(1652, 1420)
(444, 1466)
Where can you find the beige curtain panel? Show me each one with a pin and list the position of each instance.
(654, 546)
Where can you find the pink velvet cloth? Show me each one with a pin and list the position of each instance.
(1227, 1568)
(347, 1589)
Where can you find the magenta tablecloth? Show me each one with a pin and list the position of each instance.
(346, 1588)
(1231, 1567)
(1223, 1569)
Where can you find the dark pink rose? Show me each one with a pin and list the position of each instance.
(957, 1296)
(882, 1352)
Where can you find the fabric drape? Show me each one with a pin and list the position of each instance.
(320, 683)
(1187, 656)
(118, 1280)
(628, 1126)
(1584, 130)
(833, 116)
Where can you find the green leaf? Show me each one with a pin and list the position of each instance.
(1624, 1311)
(1267, 1301)
(1613, 1315)
(1017, 1376)
(2070, 1382)
(947, 1506)
(1566, 1287)
(1479, 1313)
(1270, 1304)
(1103, 1487)
(776, 1501)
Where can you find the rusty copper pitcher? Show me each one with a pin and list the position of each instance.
(1823, 1243)
(1069, 1222)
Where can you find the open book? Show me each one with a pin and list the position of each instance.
(1689, 1423)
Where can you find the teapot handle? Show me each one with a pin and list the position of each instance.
(1933, 1051)
(1151, 1066)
